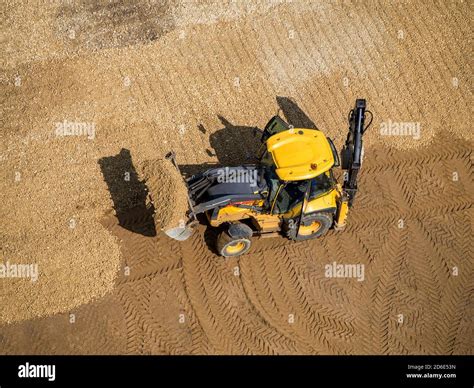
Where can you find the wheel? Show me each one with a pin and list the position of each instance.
(228, 246)
(312, 226)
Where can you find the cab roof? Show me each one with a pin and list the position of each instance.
(300, 154)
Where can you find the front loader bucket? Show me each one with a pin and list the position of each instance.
(182, 233)
(179, 233)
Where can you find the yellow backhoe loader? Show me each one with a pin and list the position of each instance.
(291, 192)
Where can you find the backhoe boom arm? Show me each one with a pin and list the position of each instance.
(352, 152)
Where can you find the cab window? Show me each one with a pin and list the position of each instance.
(289, 195)
(320, 185)
(274, 126)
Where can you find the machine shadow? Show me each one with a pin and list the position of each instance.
(235, 145)
(232, 145)
(128, 193)
(294, 114)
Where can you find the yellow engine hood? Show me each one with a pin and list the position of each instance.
(300, 154)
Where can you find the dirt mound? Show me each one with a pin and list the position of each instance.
(167, 191)
(50, 223)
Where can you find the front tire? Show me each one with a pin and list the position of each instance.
(228, 246)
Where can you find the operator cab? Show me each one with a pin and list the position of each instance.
(283, 196)
(294, 158)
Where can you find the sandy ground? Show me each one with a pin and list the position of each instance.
(138, 79)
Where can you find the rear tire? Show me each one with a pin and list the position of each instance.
(312, 226)
(228, 246)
